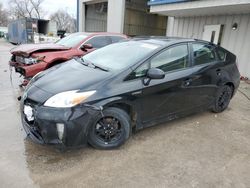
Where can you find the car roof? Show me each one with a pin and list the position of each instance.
(98, 33)
(165, 41)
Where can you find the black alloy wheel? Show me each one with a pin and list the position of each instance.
(110, 130)
(223, 99)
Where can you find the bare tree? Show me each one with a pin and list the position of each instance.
(64, 21)
(37, 7)
(26, 8)
(4, 19)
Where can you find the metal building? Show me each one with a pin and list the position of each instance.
(25, 30)
(131, 17)
(224, 22)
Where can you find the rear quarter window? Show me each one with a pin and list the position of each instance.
(99, 41)
(203, 54)
(116, 39)
(222, 54)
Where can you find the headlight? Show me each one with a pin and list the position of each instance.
(30, 61)
(68, 99)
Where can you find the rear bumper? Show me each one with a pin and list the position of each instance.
(43, 130)
(236, 86)
(236, 81)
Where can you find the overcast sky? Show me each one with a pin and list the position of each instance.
(51, 6)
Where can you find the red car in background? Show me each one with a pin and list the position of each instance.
(30, 59)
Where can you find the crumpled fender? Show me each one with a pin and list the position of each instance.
(115, 100)
(112, 100)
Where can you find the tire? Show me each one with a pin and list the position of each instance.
(116, 122)
(223, 98)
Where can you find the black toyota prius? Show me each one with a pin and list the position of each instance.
(100, 98)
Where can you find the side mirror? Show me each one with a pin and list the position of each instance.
(155, 73)
(85, 47)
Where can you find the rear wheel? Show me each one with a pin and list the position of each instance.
(223, 98)
(110, 130)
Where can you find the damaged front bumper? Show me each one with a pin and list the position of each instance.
(28, 71)
(67, 127)
(18, 67)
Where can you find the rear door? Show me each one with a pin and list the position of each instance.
(206, 74)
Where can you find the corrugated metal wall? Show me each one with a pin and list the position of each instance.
(236, 41)
(96, 17)
(138, 21)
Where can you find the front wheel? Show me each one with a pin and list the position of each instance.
(223, 98)
(110, 130)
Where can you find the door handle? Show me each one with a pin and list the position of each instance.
(187, 82)
(137, 93)
(218, 72)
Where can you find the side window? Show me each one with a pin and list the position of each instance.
(221, 54)
(171, 59)
(116, 38)
(99, 41)
(141, 71)
(203, 54)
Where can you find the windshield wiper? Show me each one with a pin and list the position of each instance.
(80, 60)
(90, 64)
(100, 67)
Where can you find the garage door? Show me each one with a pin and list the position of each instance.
(96, 17)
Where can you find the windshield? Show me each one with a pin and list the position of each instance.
(120, 55)
(72, 40)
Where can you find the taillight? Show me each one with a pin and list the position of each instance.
(237, 63)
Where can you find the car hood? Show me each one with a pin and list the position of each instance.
(68, 76)
(27, 49)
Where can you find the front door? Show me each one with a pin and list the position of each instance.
(212, 33)
(166, 97)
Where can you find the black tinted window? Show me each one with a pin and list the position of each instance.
(99, 42)
(171, 59)
(203, 54)
(221, 54)
(139, 72)
(116, 39)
